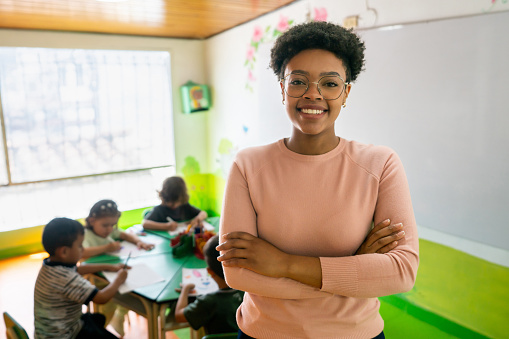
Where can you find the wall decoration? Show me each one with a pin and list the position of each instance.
(269, 34)
(262, 35)
(194, 97)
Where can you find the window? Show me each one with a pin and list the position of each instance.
(75, 122)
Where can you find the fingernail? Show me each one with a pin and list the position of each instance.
(387, 220)
(401, 233)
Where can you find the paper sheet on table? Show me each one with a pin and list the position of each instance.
(127, 247)
(182, 226)
(201, 279)
(138, 276)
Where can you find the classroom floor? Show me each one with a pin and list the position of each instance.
(17, 279)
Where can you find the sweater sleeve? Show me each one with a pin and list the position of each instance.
(238, 215)
(375, 275)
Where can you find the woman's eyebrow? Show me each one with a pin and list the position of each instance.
(298, 71)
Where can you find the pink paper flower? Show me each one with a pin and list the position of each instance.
(258, 34)
(283, 24)
(320, 14)
(250, 76)
(250, 53)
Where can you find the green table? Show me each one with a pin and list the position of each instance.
(151, 301)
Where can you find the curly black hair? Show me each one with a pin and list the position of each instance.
(344, 43)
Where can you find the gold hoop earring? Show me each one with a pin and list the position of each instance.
(344, 104)
(283, 101)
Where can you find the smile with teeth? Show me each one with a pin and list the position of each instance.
(312, 111)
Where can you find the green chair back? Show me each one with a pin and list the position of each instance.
(13, 328)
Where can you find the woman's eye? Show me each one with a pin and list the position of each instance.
(330, 84)
(297, 83)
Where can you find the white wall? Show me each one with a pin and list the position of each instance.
(255, 117)
(187, 63)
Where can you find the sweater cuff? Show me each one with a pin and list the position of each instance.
(340, 275)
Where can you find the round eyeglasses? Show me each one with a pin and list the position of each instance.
(330, 86)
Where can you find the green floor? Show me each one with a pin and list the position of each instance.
(398, 324)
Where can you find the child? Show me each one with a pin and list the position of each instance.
(102, 235)
(174, 208)
(101, 232)
(60, 289)
(214, 311)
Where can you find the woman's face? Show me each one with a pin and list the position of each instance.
(103, 226)
(311, 114)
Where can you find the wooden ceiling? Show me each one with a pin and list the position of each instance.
(189, 19)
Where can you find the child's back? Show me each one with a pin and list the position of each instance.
(60, 292)
(216, 311)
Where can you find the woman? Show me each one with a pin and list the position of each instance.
(296, 211)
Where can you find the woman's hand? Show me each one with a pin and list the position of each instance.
(382, 238)
(144, 245)
(247, 251)
(113, 246)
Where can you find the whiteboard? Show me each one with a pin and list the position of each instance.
(438, 94)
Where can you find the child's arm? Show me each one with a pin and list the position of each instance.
(105, 295)
(159, 226)
(92, 251)
(199, 218)
(182, 303)
(133, 238)
(94, 268)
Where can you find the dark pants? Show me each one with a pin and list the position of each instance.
(93, 327)
(245, 336)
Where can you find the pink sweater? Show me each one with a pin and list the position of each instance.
(321, 206)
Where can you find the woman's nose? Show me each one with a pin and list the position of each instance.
(313, 93)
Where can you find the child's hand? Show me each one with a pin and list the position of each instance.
(113, 246)
(121, 276)
(116, 267)
(144, 245)
(171, 226)
(196, 223)
(186, 288)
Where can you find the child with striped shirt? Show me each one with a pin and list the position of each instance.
(61, 290)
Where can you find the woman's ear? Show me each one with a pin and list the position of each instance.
(282, 91)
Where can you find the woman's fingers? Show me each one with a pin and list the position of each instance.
(383, 235)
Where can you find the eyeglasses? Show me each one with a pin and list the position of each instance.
(330, 86)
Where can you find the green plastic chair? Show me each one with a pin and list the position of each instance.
(146, 211)
(221, 336)
(13, 329)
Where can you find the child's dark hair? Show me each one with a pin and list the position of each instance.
(174, 190)
(102, 208)
(344, 43)
(210, 253)
(60, 232)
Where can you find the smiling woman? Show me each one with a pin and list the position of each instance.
(297, 224)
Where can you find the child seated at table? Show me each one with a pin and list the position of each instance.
(174, 208)
(215, 312)
(60, 289)
(102, 235)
